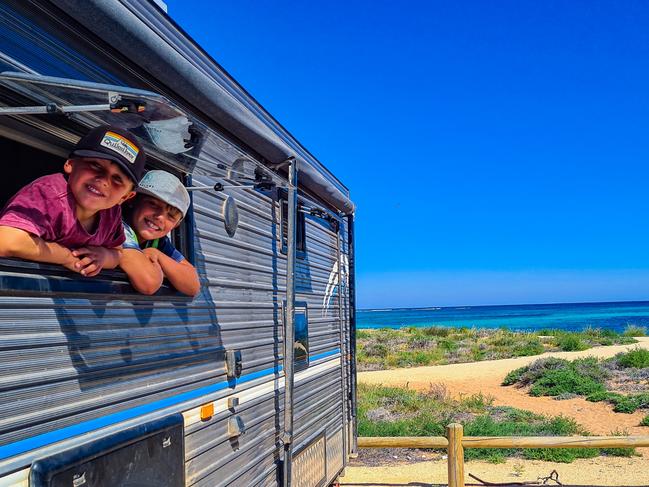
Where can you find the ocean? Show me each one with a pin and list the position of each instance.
(527, 317)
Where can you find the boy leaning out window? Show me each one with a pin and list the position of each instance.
(74, 219)
(148, 255)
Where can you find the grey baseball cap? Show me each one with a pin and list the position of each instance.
(166, 187)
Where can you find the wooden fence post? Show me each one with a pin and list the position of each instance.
(454, 433)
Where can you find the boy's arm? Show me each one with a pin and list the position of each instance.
(145, 275)
(182, 275)
(23, 245)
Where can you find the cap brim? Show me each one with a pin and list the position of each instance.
(102, 155)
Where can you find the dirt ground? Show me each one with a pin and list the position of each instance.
(486, 377)
(592, 472)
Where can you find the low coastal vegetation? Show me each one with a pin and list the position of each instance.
(436, 345)
(395, 411)
(620, 380)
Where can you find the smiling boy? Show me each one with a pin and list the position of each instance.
(148, 255)
(76, 222)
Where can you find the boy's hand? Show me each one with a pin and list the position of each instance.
(93, 259)
(71, 262)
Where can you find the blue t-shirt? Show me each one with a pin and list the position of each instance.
(164, 244)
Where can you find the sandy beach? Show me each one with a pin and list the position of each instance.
(486, 377)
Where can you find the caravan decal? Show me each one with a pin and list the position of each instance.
(332, 287)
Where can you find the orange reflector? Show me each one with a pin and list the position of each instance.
(207, 411)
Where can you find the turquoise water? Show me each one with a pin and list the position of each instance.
(528, 317)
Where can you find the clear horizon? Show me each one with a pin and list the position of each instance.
(496, 152)
(497, 305)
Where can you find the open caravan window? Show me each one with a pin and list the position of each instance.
(27, 163)
(41, 118)
(35, 145)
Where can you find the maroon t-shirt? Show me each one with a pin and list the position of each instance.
(46, 208)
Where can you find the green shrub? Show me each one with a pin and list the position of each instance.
(645, 421)
(619, 452)
(556, 382)
(622, 403)
(447, 345)
(638, 358)
(635, 331)
(524, 423)
(413, 358)
(478, 401)
(362, 334)
(538, 368)
(571, 342)
(607, 332)
(603, 396)
(477, 353)
(503, 338)
(380, 348)
(531, 346)
(437, 331)
(625, 404)
(514, 376)
(394, 411)
(590, 367)
(631, 403)
(553, 377)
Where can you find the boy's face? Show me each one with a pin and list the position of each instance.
(97, 184)
(153, 218)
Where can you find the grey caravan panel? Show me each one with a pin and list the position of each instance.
(319, 391)
(213, 456)
(349, 372)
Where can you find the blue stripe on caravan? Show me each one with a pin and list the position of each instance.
(22, 446)
(325, 354)
(39, 441)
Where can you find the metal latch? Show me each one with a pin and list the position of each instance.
(236, 427)
(233, 402)
(233, 365)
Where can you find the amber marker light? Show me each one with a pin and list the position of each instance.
(207, 411)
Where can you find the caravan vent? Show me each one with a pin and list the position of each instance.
(309, 465)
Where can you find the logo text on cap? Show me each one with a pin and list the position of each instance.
(121, 145)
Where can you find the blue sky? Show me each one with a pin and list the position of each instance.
(497, 152)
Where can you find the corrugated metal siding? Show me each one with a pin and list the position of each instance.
(209, 449)
(318, 400)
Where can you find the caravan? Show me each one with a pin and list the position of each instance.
(251, 382)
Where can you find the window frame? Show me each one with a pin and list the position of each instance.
(300, 227)
(302, 363)
(23, 277)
